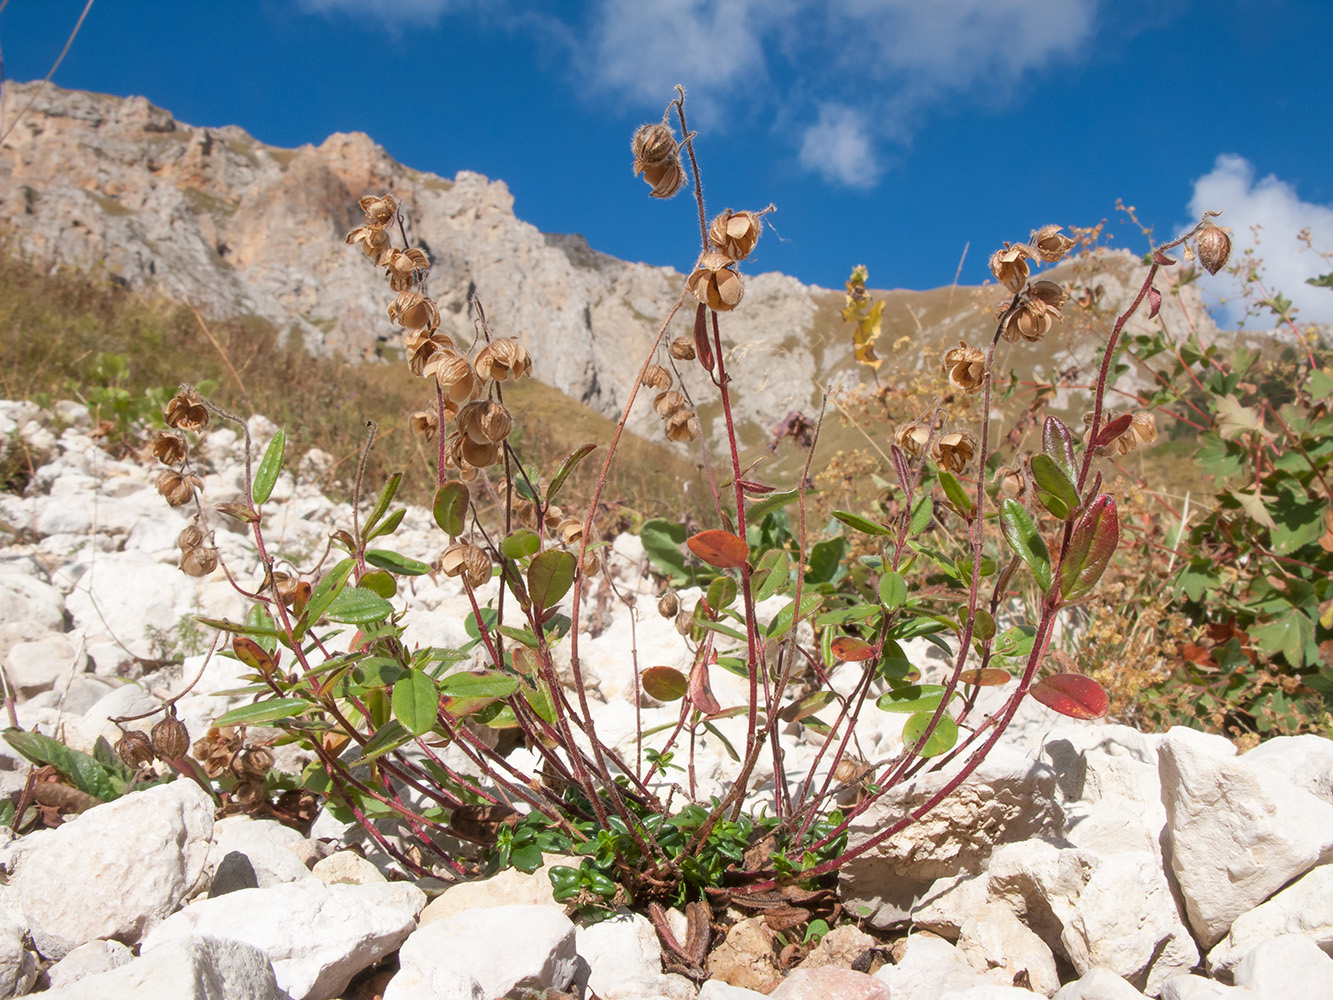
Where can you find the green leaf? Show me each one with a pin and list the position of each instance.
(863, 524)
(566, 467)
(892, 590)
(662, 540)
(327, 589)
(380, 582)
(756, 511)
(86, 772)
(382, 504)
(922, 513)
(825, 560)
(953, 489)
(911, 698)
(1024, 538)
(520, 544)
(266, 476)
(415, 702)
(388, 526)
(550, 576)
(1234, 419)
(450, 507)
(726, 743)
(787, 616)
(387, 738)
(358, 606)
(479, 685)
(236, 628)
(1016, 641)
(1059, 446)
(1288, 635)
(721, 592)
(1054, 490)
(264, 711)
(941, 741)
(394, 563)
(771, 575)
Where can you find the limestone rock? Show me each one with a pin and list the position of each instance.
(995, 942)
(624, 959)
(1199, 988)
(346, 868)
(18, 966)
(133, 860)
(928, 968)
(830, 984)
(317, 936)
(88, 960)
(746, 958)
(1291, 967)
(1098, 984)
(201, 968)
(1306, 761)
(502, 948)
(839, 948)
(1237, 834)
(1305, 907)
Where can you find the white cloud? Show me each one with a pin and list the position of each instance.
(1271, 210)
(393, 13)
(838, 148)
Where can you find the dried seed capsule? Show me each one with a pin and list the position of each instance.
(186, 412)
(252, 762)
(735, 233)
(668, 605)
(466, 560)
(485, 421)
(177, 489)
(135, 748)
(380, 209)
(953, 451)
(503, 359)
(656, 377)
(170, 738)
(682, 349)
(1049, 243)
(653, 143)
(169, 449)
(1010, 266)
(1213, 245)
(966, 367)
(412, 309)
(199, 561)
(912, 437)
(715, 283)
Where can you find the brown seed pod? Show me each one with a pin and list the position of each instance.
(135, 748)
(1011, 481)
(1213, 245)
(912, 437)
(504, 359)
(178, 489)
(199, 561)
(380, 209)
(424, 423)
(1049, 243)
(456, 377)
(287, 586)
(412, 309)
(668, 605)
(966, 367)
(715, 282)
(570, 531)
(401, 265)
(652, 143)
(466, 560)
(186, 412)
(669, 402)
(170, 738)
(1010, 266)
(169, 449)
(682, 349)
(682, 426)
(485, 422)
(421, 346)
(656, 377)
(953, 451)
(252, 762)
(735, 233)
(373, 239)
(191, 537)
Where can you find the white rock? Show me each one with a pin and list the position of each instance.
(1237, 834)
(18, 966)
(38, 666)
(88, 960)
(1291, 967)
(257, 867)
(317, 937)
(503, 948)
(929, 967)
(190, 969)
(132, 860)
(1306, 761)
(995, 942)
(134, 598)
(1008, 798)
(1199, 988)
(1098, 984)
(345, 868)
(510, 887)
(27, 600)
(829, 983)
(943, 908)
(989, 991)
(624, 960)
(1304, 907)
(715, 989)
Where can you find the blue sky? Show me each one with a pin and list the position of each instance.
(889, 133)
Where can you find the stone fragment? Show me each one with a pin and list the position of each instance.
(1098, 984)
(1304, 907)
(503, 949)
(624, 958)
(1199, 988)
(88, 960)
(18, 966)
(33, 667)
(1237, 834)
(746, 957)
(995, 942)
(317, 936)
(1290, 967)
(133, 860)
(510, 887)
(830, 984)
(345, 868)
(200, 968)
(1008, 798)
(715, 989)
(945, 906)
(927, 968)
(839, 948)
(1306, 761)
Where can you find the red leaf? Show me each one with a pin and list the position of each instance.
(1161, 259)
(1154, 302)
(1091, 546)
(1113, 430)
(702, 349)
(701, 693)
(845, 647)
(757, 489)
(1074, 695)
(253, 655)
(989, 677)
(719, 548)
(664, 683)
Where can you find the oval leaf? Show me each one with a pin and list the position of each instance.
(550, 576)
(264, 711)
(988, 677)
(1074, 695)
(1059, 445)
(701, 691)
(721, 592)
(395, 563)
(266, 476)
(940, 741)
(380, 582)
(958, 497)
(846, 647)
(664, 683)
(787, 616)
(566, 467)
(382, 504)
(772, 575)
(358, 606)
(520, 544)
(1091, 546)
(1054, 490)
(253, 655)
(860, 523)
(719, 549)
(479, 685)
(911, 698)
(805, 707)
(1112, 430)
(892, 590)
(415, 702)
(1024, 538)
(450, 507)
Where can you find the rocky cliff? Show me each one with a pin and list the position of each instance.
(213, 217)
